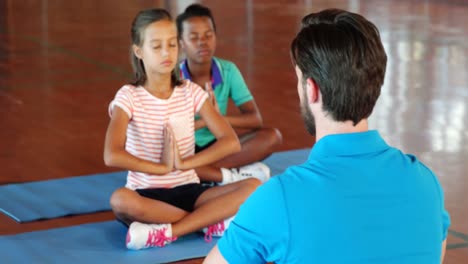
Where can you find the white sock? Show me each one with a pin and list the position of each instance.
(227, 176)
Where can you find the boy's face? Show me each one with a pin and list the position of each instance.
(198, 39)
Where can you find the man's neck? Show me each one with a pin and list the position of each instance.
(325, 126)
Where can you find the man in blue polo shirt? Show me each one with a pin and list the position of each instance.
(356, 199)
(224, 82)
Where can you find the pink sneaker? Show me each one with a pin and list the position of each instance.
(217, 230)
(141, 235)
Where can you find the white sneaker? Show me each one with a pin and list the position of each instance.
(141, 235)
(255, 170)
(217, 230)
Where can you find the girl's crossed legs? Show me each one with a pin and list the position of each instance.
(212, 206)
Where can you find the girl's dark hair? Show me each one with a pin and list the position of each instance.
(141, 21)
(194, 10)
(342, 52)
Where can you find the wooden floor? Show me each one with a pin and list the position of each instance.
(61, 63)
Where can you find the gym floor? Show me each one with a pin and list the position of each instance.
(61, 63)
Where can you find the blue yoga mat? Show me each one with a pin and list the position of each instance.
(280, 161)
(94, 243)
(32, 201)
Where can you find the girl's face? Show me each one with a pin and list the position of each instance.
(159, 50)
(198, 39)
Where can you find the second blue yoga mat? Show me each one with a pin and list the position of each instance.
(94, 243)
(26, 202)
(31, 201)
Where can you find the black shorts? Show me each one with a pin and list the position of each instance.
(198, 148)
(183, 197)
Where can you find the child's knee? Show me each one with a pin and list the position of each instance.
(273, 136)
(277, 136)
(252, 183)
(119, 199)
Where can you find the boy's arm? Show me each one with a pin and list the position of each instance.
(240, 94)
(199, 123)
(249, 116)
(226, 140)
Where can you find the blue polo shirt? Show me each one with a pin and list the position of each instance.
(355, 200)
(227, 83)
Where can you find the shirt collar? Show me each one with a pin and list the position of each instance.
(216, 77)
(348, 144)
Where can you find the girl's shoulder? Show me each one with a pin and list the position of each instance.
(130, 87)
(130, 92)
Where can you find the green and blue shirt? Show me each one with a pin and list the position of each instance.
(227, 83)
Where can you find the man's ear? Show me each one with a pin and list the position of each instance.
(312, 91)
(137, 51)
